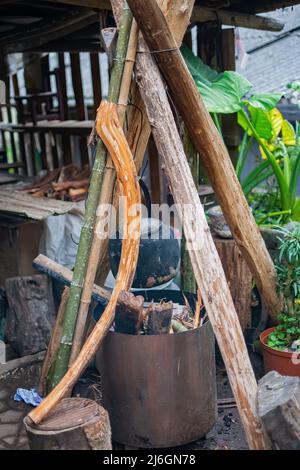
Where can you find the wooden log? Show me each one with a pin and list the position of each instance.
(64, 275)
(211, 148)
(279, 409)
(159, 318)
(231, 18)
(75, 424)
(129, 313)
(239, 278)
(110, 131)
(206, 263)
(31, 313)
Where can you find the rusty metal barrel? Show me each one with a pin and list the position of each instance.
(159, 391)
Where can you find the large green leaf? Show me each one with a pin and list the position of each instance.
(197, 68)
(222, 92)
(264, 101)
(260, 120)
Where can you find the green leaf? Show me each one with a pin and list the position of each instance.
(222, 92)
(288, 134)
(294, 86)
(261, 122)
(197, 68)
(264, 101)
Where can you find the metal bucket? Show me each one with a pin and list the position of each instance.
(160, 391)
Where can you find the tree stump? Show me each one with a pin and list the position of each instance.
(74, 424)
(238, 276)
(31, 313)
(279, 409)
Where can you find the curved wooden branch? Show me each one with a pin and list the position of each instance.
(111, 133)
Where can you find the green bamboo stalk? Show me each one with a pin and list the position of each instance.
(61, 363)
(188, 282)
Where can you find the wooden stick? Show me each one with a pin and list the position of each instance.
(206, 263)
(64, 275)
(110, 131)
(211, 148)
(197, 309)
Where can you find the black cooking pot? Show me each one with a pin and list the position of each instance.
(159, 254)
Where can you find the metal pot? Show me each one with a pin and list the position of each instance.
(160, 391)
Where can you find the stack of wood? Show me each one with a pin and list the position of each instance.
(134, 316)
(68, 183)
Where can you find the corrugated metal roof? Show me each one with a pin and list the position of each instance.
(18, 202)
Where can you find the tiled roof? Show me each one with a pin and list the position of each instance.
(273, 59)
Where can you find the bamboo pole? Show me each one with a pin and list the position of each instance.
(211, 148)
(206, 263)
(62, 359)
(53, 344)
(111, 133)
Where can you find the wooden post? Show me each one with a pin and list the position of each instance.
(239, 278)
(75, 424)
(211, 148)
(206, 263)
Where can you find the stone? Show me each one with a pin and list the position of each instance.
(11, 416)
(279, 409)
(217, 222)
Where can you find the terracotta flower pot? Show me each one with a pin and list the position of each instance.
(285, 363)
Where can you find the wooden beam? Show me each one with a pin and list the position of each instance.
(244, 20)
(99, 4)
(211, 148)
(203, 14)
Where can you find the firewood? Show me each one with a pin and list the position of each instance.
(129, 313)
(70, 184)
(75, 424)
(159, 318)
(177, 326)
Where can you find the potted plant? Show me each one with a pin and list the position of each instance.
(281, 344)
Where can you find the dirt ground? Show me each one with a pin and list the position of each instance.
(226, 434)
